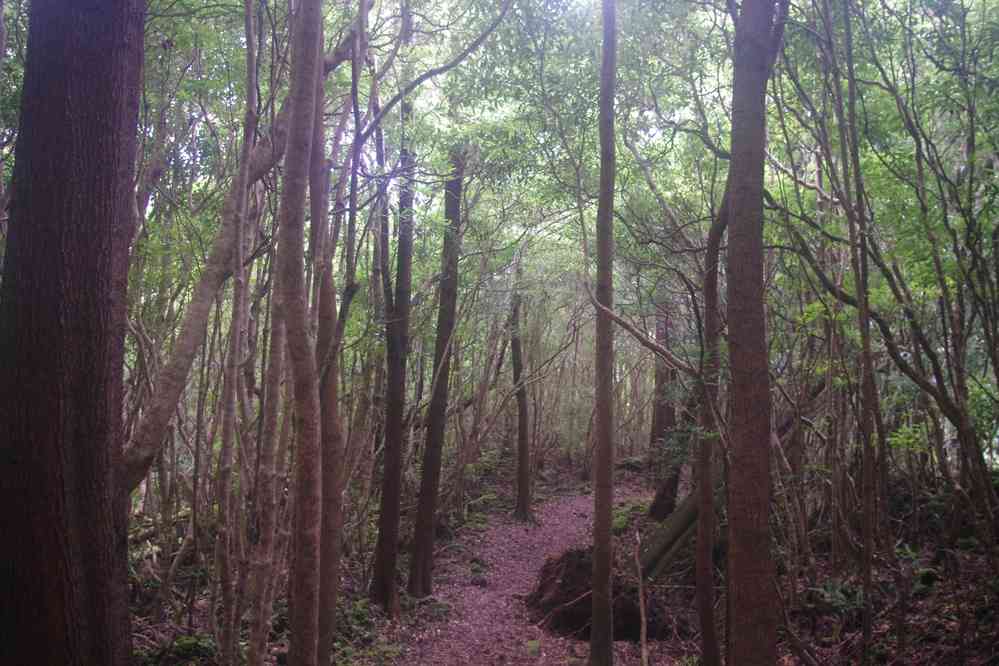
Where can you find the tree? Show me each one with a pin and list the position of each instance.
(62, 330)
(305, 70)
(664, 422)
(704, 556)
(522, 510)
(752, 616)
(397, 307)
(421, 567)
(602, 626)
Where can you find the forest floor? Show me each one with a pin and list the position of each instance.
(483, 577)
(936, 600)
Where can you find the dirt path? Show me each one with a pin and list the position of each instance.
(484, 585)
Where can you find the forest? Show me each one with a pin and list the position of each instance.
(515, 332)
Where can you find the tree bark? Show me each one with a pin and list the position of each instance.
(421, 565)
(602, 624)
(263, 553)
(305, 64)
(753, 611)
(62, 326)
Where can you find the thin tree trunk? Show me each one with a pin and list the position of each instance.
(602, 624)
(704, 557)
(522, 510)
(225, 545)
(857, 221)
(663, 423)
(263, 555)
(421, 565)
(328, 356)
(383, 586)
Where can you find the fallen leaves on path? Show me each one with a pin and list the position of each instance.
(484, 580)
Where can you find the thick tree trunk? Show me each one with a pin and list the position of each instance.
(305, 66)
(421, 566)
(62, 325)
(602, 624)
(753, 612)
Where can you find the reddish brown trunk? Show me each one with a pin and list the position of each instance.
(751, 596)
(62, 325)
(262, 555)
(301, 354)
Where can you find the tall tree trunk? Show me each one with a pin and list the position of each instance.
(421, 565)
(383, 586)
(602, 624)
(62, 326)
(228, 525)
(752, 602)
(522, 510)
(329, 349)
(305, 67)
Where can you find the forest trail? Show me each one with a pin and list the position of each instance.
(483, 578)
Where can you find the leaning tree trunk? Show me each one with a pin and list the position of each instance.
(62, 326)
(602, 624)
(421, 565)
(753, 613)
